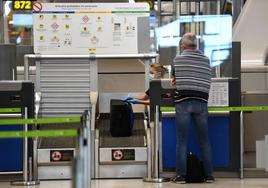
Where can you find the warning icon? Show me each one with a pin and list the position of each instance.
(56, 156)
(85, 19)
(55, 26)
(118, 155)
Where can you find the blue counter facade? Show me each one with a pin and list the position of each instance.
(219, 139)
(11, 154)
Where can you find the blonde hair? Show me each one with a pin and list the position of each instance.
(160, 70)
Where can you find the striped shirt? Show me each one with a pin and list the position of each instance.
(192, 73)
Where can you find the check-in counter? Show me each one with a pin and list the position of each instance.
(219, 134)
(223, 126)
(14, 94)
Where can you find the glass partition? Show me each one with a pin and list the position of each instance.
(214, 33)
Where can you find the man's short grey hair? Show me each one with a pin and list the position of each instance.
(189, 40)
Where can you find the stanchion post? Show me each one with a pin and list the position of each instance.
(35, 157)
(76, 173)
(27, 169)
(241, 145)
(155, 146)
(149, 154)
(77, 164)
(25, 149)
(86, 148)
(156, 143)
(30, 165)
(81, 168)
(80, 158)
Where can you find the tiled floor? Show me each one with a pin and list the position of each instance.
(138, 183)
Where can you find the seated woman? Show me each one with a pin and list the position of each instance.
(157, 71)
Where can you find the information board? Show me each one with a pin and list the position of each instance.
(84, 28)
(219, 94)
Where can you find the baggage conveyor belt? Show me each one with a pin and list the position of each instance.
(62, 142)
(138, 138)
(55, 154)
(121, 157)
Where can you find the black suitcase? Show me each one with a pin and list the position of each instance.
(121, 119)
(195, 170)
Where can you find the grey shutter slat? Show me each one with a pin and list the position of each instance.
(65, 87)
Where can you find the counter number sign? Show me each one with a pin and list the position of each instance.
(22, 5)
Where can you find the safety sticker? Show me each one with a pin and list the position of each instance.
(61, 155)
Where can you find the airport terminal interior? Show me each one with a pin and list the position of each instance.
(73, 76)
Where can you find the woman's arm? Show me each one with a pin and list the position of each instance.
(142, 96)
(143, 99)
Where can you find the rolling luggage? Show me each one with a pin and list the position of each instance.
(195, 170)
(121, 118)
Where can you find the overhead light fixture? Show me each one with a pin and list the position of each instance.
(7, 7)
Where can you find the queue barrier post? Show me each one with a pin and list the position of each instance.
(81, 169)
(154, 177)
(81, 166)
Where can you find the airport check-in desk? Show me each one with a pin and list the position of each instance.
(14, 94)
(62, 95)
(223, 126)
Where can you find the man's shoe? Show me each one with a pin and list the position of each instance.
(179, 179)
(209, 179)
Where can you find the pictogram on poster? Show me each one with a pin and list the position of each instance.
(37, 6)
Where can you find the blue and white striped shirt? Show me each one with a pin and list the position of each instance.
(192, 73)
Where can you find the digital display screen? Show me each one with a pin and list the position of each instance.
(22, 5)
(25, 20)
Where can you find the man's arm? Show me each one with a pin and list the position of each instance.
(173, 80)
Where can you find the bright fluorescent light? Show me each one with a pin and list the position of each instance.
(7, 7)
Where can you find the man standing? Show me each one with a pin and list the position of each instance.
(192, 78)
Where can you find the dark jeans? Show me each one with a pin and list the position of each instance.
(185, 110)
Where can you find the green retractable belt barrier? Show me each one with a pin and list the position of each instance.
(220, 109)
(37, 133)
(53, 120)
(43, 133)
(10, 110)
